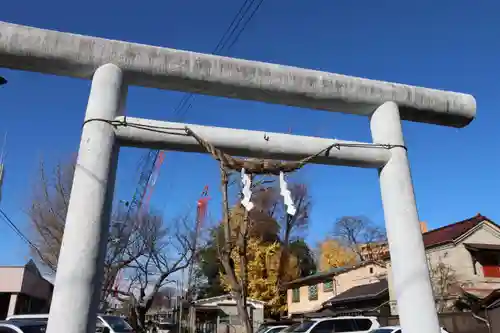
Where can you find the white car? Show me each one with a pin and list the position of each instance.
(114, 324)
(274, 329)
(352, 324)
(395, 329)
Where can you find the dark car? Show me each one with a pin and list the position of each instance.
(23, 326)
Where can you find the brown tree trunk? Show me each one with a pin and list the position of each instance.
(243, 312)
(238, 286)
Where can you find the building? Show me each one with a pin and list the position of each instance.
(309, 294)
(23, 290)
(463, 257)
(468, 253)
(219, 314)
(373, 251)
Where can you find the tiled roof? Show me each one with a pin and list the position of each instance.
(362, 292)
(451, 232)
(320, 276)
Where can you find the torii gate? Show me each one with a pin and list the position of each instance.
(113, 65)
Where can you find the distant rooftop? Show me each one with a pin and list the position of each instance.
(320, 276)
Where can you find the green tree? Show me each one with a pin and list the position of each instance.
(305, 257)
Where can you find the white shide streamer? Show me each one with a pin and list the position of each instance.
(246, 191)
(287, 196)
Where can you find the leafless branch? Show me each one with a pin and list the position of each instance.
(366, 239)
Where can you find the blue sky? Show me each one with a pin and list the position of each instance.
(432, 43)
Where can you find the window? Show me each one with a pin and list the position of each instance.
(275, 329)
(371, 270)
(117, 324)
(326, 326)
(344, 325)
(6, 330)
(362, 324)
(328, 285)
(291, 328)
(303, 327)
(491, 265)
(295, 295)
(313, 292)
(34, 328)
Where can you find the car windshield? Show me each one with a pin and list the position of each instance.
(382, 330)
(117, 324)
(303, 327)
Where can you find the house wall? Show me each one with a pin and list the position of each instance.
(26, 288)
(11, 279)
(457, 257)
(257, 315)
(460, 259)
(341, 283)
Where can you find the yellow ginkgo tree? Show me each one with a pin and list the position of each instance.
(333, 254)
(262, 273)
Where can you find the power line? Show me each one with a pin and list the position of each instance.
(18, 232)
(152, 155)
(222, 45)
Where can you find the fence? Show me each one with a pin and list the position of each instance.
(459, 322)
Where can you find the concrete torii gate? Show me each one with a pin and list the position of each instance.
(113, 65)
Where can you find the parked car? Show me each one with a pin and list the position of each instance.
(395, 329)
(112, 324)
(23, 326)
(289, 329)
(352, 324)
(273, 329)
(277, 326)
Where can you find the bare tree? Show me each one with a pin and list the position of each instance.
(164, 298)
(366, 239)
(169, 250)
(444, 285)
(47, 211)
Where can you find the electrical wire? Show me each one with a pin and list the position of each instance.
(186, 103)
(222, 46)
(18, 232)
(187, 100)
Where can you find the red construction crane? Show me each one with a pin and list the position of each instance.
(201, 209)
(201, 214)
(149, 189)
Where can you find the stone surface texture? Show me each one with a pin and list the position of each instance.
(53, 52)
